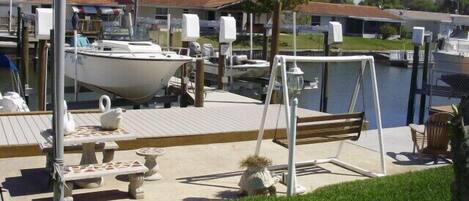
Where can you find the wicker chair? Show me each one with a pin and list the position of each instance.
(433, 137)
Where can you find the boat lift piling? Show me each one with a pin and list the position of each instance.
(418, 36)
(183, 102)
(42, 71)
(199, 83)
(18, 38)
(413, 86)
(325, 75)
(221, 67)
(423, 97)
(25, 59)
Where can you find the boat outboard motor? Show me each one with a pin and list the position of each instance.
(195, 49)
(440, 43)
(240, 59)
(207, 50)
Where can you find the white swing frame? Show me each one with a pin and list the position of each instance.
(290, 115)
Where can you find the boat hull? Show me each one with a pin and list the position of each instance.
(452, 62)
(137, 80)
(239, 71)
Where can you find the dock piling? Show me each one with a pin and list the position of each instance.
(413, 86)
(325, 76)
(18, 38)
(42, 75)
(183, 102)
(264, 44)
(423, 96)
(221, 67)
(25, 60)
(275, 41)
(199, 83)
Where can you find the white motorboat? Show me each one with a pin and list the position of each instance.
(453, 55)
(132, 70)
(237, 66)
(241, 68)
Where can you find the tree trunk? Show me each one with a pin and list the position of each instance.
(460, 151)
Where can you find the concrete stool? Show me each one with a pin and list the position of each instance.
(150, 154)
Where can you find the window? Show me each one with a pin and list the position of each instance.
(33, 9)
(315, 20)
(161, 13)
(211, 15)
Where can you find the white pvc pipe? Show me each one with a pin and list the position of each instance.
(168, 35)
(75, 82)
(336, 59)
(291, 181)
(260, 135)
(294, 36)
(374, 84)
(321, 59)
(250, 36)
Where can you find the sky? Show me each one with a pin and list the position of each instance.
(356, 1)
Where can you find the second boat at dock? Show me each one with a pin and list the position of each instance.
(132, 70)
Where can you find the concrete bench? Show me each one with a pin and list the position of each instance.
(108, 149)
(135, 170)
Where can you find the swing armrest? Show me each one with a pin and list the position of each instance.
(418, 134)
(417, 128)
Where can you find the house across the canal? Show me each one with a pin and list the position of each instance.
(364, 21)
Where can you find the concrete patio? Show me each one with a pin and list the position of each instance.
(211, 172)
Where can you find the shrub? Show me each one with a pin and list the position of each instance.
(387, 31)
(406, 33)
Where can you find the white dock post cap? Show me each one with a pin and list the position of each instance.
(335, 33)
(227, 29)
(44, 23)
(418, 35)
(190, 27)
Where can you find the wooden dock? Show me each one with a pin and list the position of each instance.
(20, 134)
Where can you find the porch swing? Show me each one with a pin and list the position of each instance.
(322, 128)
(333, 127)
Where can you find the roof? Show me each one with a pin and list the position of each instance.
(421, 15)
(80, 2)
(345, 10)
(208, 4)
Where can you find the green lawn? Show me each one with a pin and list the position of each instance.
(432, 185)
(309, 41)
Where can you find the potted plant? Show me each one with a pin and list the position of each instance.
(257, 179)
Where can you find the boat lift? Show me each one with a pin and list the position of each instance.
(290, 115)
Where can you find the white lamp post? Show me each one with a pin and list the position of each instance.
(295, 81)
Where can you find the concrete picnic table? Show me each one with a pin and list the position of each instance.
(87, 137)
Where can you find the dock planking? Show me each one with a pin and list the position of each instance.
(185, 124)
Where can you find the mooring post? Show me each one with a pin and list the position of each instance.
(275, 32)
(18, 38)
(325, 76)
(221, 67)
(183, 100)
(413, 86)
(36, 56)
(25, 60)
(423, 95)
(42, 75)
(199, 83)
(274, 43)
(264, 44)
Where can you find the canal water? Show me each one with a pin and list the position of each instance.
(393, 85)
